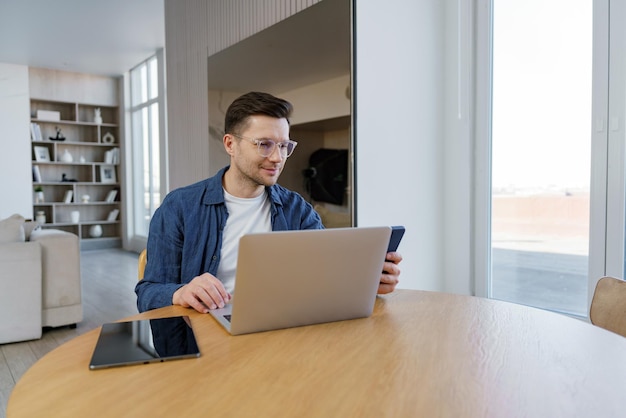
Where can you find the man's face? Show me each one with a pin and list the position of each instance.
(250, 168)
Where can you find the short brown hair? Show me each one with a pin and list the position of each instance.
(254, 103)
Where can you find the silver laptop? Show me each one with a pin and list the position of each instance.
(291, 278)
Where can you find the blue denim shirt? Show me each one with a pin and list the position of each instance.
(185, 236)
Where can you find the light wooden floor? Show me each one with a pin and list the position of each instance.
(108, 282)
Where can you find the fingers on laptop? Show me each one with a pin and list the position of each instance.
(202, 293)
(187, 297)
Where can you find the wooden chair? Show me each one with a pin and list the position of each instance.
(143, 257)
(608, 305)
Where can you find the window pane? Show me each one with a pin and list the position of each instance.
(153, 78)
(155, 158)
(146, 144)
(138, 169)
(541, 152)
(138, 83)
(142, 224)
(143, 70)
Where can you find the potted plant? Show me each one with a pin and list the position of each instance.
(39, 197)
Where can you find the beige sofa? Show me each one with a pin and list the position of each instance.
(39, 278)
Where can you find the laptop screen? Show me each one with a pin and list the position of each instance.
(144, 341)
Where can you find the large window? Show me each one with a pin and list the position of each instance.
(541, 152)
(146, 98)
(550, 124)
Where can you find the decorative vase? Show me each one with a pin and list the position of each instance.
(95, 231)
(40, 217)
(39, 197)
(67, 157)
(97, 118)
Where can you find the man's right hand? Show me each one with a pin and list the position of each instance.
(204, 292)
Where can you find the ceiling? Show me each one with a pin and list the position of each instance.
(95, 37)
(111, 37)
(308, 47)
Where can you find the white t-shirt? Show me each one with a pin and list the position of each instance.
(245, 216)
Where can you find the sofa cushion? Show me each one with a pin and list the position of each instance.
(12, 229)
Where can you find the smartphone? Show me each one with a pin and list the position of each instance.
(397, 232)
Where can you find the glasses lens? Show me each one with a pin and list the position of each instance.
(289, 147)
(286, 148)
(266, 147)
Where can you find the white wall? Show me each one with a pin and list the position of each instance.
(15, 169)
(70, 86)
(319, 101)
(399, 118)
(458, 163)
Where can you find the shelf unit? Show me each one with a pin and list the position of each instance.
(93, 170)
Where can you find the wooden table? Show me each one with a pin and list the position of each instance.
(422, 354)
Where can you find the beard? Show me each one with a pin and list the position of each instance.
(259, 174)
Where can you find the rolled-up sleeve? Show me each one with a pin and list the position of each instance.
(164, 251)
(184, 241)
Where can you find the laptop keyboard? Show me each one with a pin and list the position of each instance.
(227, 317)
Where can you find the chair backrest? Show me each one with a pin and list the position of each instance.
(143, 257)
(608, 305)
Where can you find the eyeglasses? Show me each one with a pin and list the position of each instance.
(265, 147)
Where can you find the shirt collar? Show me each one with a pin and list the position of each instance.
(215, 195)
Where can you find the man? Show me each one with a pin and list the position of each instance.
(194, 235)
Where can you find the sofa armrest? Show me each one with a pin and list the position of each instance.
(20, 298)
(41, 234)
(61, 273)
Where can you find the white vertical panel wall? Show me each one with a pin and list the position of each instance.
(231, 21)
(187, 103)
(16, 184)
(195, 29)
(398, 128)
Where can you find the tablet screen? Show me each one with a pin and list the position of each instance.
(144, 341)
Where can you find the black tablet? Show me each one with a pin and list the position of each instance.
(144, 341)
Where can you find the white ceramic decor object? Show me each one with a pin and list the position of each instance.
(66, 157)
(95, 231)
